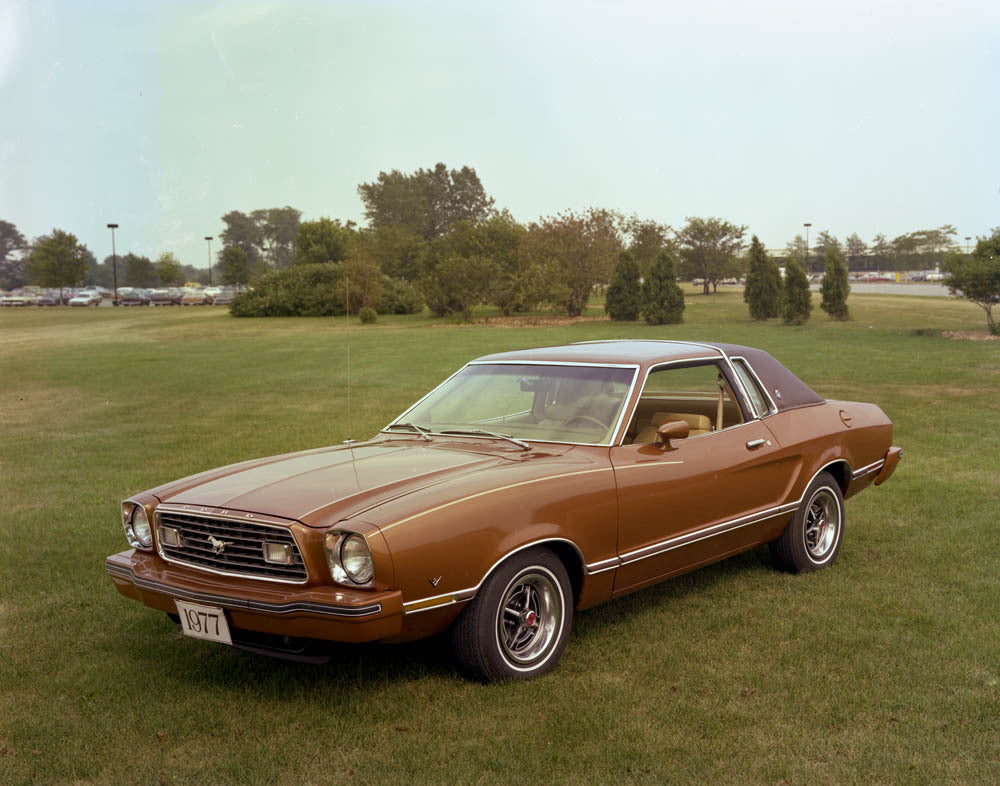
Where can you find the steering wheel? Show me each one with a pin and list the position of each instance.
(586, 419)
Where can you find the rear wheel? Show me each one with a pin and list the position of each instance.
(813, 536)
(519, 622)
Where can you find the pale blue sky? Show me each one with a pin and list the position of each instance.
(857, 116)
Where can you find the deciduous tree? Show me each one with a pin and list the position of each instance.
(856, 249)
(976, 277)
(139, 270)
(168, 270)
(234, 265)
(428, 202)
(622, 300)
(13, 249)
(708, 248)
(835, 288)
(645, 238)
(323, 240)
(763, 284)
(58, 260)
(662, 298)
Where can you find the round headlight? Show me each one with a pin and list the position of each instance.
(141, 528)
(356, 559)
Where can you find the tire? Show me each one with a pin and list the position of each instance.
(812, 538)
(517, 626)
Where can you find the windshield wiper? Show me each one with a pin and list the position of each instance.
(413, 427)
(483, 432)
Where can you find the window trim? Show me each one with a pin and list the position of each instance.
(773, 410)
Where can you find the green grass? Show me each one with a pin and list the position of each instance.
(882, 669)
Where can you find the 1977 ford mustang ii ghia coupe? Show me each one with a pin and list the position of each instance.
(526, 486)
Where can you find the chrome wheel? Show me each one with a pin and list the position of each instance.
(530, 617)
(822, 525)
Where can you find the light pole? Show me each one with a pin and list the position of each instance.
(114, 261)
(807, 225)
(967, 239)
(209, 239)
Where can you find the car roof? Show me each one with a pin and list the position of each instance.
(785, 389)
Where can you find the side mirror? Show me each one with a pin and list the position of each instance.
(672, 429)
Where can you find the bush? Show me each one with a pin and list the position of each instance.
(798, 300)
(622, 300)
(399, 297)
(763, 285)
(312, 290)
(368, 315)
(835, 287)
(662, 298)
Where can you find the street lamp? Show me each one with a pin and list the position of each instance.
(209, 239)
(807, 225)
(967, 239)
(114, 260)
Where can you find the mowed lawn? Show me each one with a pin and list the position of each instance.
(883, 669)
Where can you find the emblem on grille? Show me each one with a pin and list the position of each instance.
(218, 546)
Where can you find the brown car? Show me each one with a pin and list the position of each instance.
(527, 486)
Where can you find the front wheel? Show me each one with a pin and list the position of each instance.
(813, 536)
(519, 622)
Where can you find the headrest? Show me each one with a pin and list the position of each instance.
(695, 422)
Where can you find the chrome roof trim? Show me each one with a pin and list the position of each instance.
(749, 366)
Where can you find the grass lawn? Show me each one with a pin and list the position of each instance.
(883, 669)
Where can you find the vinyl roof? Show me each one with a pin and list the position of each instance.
(629, 352)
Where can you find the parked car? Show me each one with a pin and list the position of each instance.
(19, 297)
(133, 297)
(165, 297)
(223, 297)
(527, 486)
(50, 298)
(194, 297)
(87, 297)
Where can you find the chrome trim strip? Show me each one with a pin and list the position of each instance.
(634, 366)
(875, 466)
(746, 363)
(240, 603)
(717, 529)
(208, 513)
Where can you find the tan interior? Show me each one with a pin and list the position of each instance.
(699, 413)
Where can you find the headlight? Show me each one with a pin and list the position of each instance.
(137, 529)
(349, 558)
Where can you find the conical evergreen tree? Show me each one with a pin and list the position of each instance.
(662, 298)
(763, 285)
(835, 287)
(798, 299)
(622, 301)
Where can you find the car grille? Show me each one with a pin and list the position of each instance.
(244, 553)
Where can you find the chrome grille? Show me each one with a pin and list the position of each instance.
(242, 556)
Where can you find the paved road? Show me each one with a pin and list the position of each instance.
(886, 288)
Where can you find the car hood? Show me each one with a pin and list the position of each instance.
(321, 486)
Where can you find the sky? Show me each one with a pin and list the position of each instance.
(866, 117)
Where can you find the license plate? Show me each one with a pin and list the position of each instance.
(203, 622)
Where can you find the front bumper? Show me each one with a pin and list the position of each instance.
(327, 613)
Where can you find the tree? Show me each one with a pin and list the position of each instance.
(824, 242)
(623, 298)
(797, 299)
(645, 239)
(428, 202)
(323, 240)
(856, 249)
(708, 250)
(278, 229)
(924, 248)
(763, 285)
(234, 265)
(662, 298)
(168, 270)
(574, 252)
(101, 274)
(457, 284)
(797, 250)
(58, 260)
(880, 253)
(976, 277)
(243, 232)
(139, 271)
(362, 280)
(399, 252)
(835, 288)
(13, 248)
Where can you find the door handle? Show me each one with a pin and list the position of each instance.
(755, 443)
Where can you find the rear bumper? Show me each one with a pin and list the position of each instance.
(323, 612)
(892, 458)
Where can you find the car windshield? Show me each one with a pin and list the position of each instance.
(547, 403)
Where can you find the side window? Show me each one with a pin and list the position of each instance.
(698, 394)
(752, 388)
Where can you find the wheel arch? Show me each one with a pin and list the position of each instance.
(564, 549)
(840, 469)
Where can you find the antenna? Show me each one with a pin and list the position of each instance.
(347, 310)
